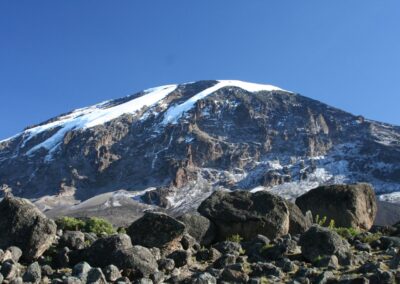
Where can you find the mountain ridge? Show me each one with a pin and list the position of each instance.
(178, 143)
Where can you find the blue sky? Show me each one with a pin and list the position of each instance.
(59, 55)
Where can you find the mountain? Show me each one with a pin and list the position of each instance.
(171, 146)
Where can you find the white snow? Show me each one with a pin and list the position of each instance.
(93, 116)
(175, 112)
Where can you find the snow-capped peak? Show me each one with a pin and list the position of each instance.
(175, 112)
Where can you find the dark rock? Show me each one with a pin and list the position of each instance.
(96, 276)
(265, 269)
(138, 258)
(187, 241)
(47, 270)
(155, 230)
(228, 247)
(112, 273)
(388, 242)
(33, 273)
(247, 214)
(225, 260)
(203, 278)
(319, 241)
(211, 254)
(62, 257)
(180, 257)
(325, 277)
(158, 277)
(348, 205)
(81, 271)
(166, 264)
(298, 222)
(362, 247)
(9, 270)
(24, 226)
(330, 261)
(199, 227)
(232, 274)
(73, 239)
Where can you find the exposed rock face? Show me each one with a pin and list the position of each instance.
(298, 222)
(199, 227)
(348, 205)
(246, 214)
(155, 230)
(236, 137)
(23, 225)
(319, 242)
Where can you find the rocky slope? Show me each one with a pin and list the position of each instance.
(194, 249)
(173, 145)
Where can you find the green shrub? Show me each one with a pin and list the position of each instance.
(347, 233)
(91, 225)
(235, 238)
(99, 226)
(370, 238)
(70, 224)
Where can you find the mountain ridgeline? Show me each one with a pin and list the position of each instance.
(176, 144)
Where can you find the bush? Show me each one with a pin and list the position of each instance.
(70, 224)
(91, 225)
(235, 238)
(347, 233)
(99, 226)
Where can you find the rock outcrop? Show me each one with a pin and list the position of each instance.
(155, 230)
(247, 214)
(199, 227)
(348, 205)
(23, 225)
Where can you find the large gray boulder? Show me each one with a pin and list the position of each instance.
(155, 230)
(23, 225)
(247, 214)
(199, 227)
(117, 250)
(348, 205)
(320, 241)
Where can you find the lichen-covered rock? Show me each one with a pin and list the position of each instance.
(33, 273)
(73, 239)
(246, 214)
(348, 205)
(319, 241)
(155, 230)
(199, 227)
(23, 225)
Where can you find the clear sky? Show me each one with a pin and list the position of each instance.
(59, 55)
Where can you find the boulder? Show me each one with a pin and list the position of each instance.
(119, 251)
(73, 239)
(319, 241)
(348, 205)
(33, 273)
(247, 214)
(23, 225)
(155, 230)
(199, 227)
(298, 222)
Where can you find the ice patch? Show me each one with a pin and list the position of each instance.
(93, 116)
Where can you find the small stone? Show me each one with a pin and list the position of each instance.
(81, 271)
(166, 264)
(96, 276)
(9, 270)
(112, 273)
(33, 273)
(180, 257)
(187, 241)
(324, 277)
(17, 280)
(158, 277)
(16, 253)
(72, 280)
(204, 278)
(363, 247)
(47, 270)
(73, 239)
(225, 260)
(144, 281)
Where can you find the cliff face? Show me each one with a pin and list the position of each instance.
(177, 143)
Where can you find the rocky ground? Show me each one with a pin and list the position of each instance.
(237, 237)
